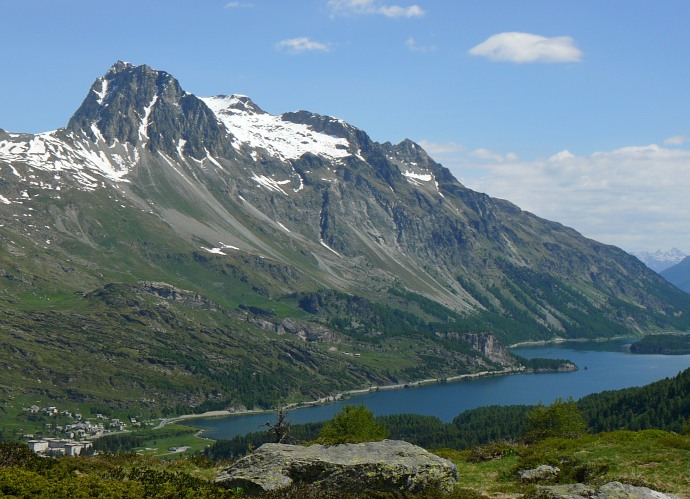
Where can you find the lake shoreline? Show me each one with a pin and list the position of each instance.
(603, 367)
(508, 371)
(359, 391)
(559, 341)
(348, 393)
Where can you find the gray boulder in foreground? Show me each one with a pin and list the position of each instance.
(543, 472)
(385, 466)
(611, 490)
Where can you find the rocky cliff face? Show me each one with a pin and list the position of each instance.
(147, 108)
(490, 347)
(485, 344)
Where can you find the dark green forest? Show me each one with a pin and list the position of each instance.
(665, 344)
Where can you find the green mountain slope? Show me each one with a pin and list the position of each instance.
(173, 252)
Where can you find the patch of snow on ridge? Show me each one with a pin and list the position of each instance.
(418, 176)
(260, 130)
(269, 183)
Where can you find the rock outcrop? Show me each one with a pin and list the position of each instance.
(611, 490)
(540, 473)
(385, 466)
(486, 344)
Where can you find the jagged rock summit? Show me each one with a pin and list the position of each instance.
(387, 466)
(139, 106)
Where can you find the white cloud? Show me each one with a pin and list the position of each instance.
(238, 5)
(487, 155)
(633, 197)
(302, 44)
(352, 7)
(677, 140)
(526, 47)
(415, 47)
(562, 156)
(435, 149)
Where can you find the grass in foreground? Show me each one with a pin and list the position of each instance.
(652, 458)
(656, 459)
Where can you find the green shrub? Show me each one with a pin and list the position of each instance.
(496, 450)
(559, 453)
(354, 424)
(675, 441)
(562, 419)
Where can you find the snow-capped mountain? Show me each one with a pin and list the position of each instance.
(660, 260)
(260, 183)
(297, 224)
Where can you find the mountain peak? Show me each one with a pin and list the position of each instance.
(147, 108)
(120, 66)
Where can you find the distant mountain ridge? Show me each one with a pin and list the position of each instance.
(660, 260)
(280, 246)
(679, 274)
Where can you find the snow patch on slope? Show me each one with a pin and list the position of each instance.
(424, 177)
(215, 251)
(144, 125)
(419, 179)
(103, 92)
(270, 183)
(259, 130)
(323, 243)
(81, 157)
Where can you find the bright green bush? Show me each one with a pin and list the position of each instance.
(354, 424)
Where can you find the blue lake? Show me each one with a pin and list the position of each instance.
(603, 366)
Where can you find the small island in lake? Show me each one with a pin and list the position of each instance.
(666, 344)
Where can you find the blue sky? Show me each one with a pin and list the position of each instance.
(576, 110)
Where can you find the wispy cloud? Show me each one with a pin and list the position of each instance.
(238, 5)
(412, 44)
(677, 140)
(488, 155)
(436, 149)
(302, 44)
(526, 48)
(360, 7)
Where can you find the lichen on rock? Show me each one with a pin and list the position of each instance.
(385, 466)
